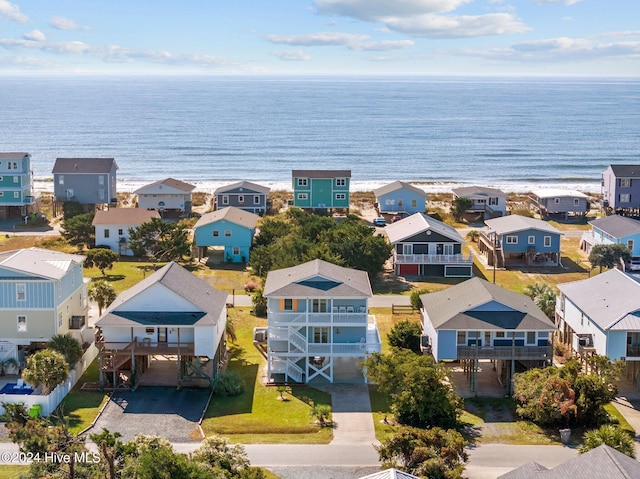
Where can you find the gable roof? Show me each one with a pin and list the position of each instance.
(515, 223)
(627, 171)
(453, 308)
(417, 223)
(170, 182)
(399, 185)
(603, 462)
(610, 299)
(245, 185)
(124, 216)
(13, 155)
(390, 474)
(84, 165)
(617, 226)
(321, 173)
(558, 193)
(42, 263)
(477, 190)
(231, 214)
(338, 281)
(208, 300)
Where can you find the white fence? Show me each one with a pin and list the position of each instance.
(50, 403)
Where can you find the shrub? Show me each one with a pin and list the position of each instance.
(416, 302)
(259, 304)
(228, 383)
(406, 335)
(612, 436)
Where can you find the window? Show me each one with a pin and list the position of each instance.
(462, 337)
(22, 324)
(625, 198)
(576, 202)
(630, 245)
(1, 178)
(120, 232)
(302, 181)
(59, 320)
(340, 196)
(150, 330)
(16, 179)
(16, 194)
(499, 334)
(512, 240)
(532, 240)
(400, 203)
(225, 199)
(61, 180)
(556, 201)
(414, 203)
(106, 233)
(407, 248)
(288, 304)
(531, 337)
(547, 241)
(21, 292)
(101, 194)
(390, 202)
(319, 305)
(15, 167)
(625, 182)
(215, 233)
(321, 335)
(302, 196)
(1, 193)
(256, 200)
(493, 201)
(8, 165)
(241, 199)
(227, 233)
(236, 250)
(101, 180)
(341, 182)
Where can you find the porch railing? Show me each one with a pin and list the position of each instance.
(434, 258)
(505, 352)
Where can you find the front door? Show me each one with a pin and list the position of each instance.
(162, 335)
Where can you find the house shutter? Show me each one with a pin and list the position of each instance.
(282, 304)
(295, 305)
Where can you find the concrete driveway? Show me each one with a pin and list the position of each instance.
(158, 411)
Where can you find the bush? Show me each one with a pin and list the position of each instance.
(228, 383)
(406, 335)
(416, 302)
(259, 304)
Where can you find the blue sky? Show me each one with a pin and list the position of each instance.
(402, 37)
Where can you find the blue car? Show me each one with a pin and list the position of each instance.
(380, 221)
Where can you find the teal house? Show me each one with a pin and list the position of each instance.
(17, 196)
(229, 228)
(321, 189)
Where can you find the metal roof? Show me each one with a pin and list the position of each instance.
(558, 193)
(390, 474)
(231, 214)
(514, 223)
(417, 223)
(398, 185)
(617, 226)
(16, 155)
(38, 262)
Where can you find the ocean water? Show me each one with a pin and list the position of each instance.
(512, 133)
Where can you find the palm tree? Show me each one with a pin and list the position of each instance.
(231, 330)
(68, 346)
(612, 436)
(102, 293)
(46, 368)
(6, 364)
(473, 235)
(322, 413)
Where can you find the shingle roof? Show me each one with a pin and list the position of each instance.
(231, 214)
(453, 308)
(514, 223)
(417, 223)
(83, 165)
(558, 193)
(337, 281)
(477, 190)
(124, 216)
(398, 185)
(626, 171)
(40, 262)
(617, 226)
(177, 279)
(170, 182)
(610, 299)
(603, 462)
(390, 474)
(321, 173)
(13, 155)
(243, 184)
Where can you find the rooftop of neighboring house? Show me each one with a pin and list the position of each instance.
(13, 155)
(172, 183)
(231, 214)
(398, 185)
(626, 171)
(416, 223)
(317, 278)
(84, 165)
(610, 299)
(390, 474)
(478, 191)
(321, 173)
(40, 262)
(515, 223)
(124, 216)
(558, 193)
(242, 184)
(617, 226)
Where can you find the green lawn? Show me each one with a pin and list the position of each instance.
(82, 407)
(12, 472)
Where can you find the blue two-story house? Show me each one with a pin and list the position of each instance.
(516, 240)
(400, 198)
(613, 229)
(89, 181)
(245, 195)
(17, 197)
(321, 189)
(621, 189)
(229, 228)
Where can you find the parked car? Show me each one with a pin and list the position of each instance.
(396, 219)
(379, 221)
(634, 264)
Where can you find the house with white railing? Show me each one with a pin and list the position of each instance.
(613, 229)
(319, 327)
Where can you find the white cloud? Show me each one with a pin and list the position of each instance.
(622, 34)
(26, 62)
(318, 39)
(34, 35)
(63, 23)
(566, 2)
(292, 55)
(12, 12)
(384, 45)
(440, 26)
(374, 10)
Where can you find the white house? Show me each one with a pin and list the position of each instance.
(167, 194)
(112, 227)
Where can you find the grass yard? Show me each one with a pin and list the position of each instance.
(13, 472)
(82, 407)
(257, 415)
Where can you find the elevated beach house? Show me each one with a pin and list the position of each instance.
(557, 203)
(613, 229)
(601, 315)
(621, 189)
(321, 189)
(518, 240)
(244, 195)
(171, 313)
(17, 194)
(42, 293)
(89, 181)
(318, 323)
(166, 195)
(424, 246)
(477, 320)
(229, 228)
(400, 198)
(490, 202)
(112, 227)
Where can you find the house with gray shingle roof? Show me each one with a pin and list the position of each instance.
(167, 194)
(112, 227)
(516, 240)
(89, 181)
(245, 195)
(477, 320)
(400, 198)
(424, 246)
(614, 229)
(491, 202)
(169, 313)
(319, 327)
(601, 315)
(229, 228)
(621, 189)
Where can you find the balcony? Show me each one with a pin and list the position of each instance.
(434, 259)
(334, 318)
(146, 348)
(523, 353)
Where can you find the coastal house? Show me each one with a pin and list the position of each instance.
(400, 198)
(89, 181)
(321, 189)
(318, 323)
(518, 240)
(229, 228)
(613, 229)
(477, 320)
(621, 189)
(244, 195)
(17, 194)
(166, 195)
(424, 246)
(42, 294)
(556, 203)
(601, 315)
(490, 202)
(171, 313)
(112, 227)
